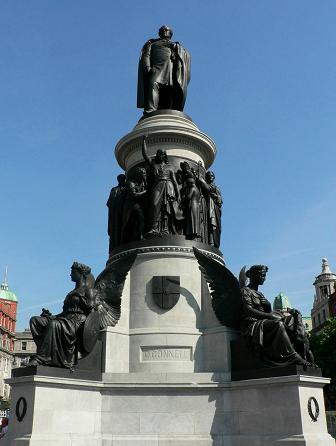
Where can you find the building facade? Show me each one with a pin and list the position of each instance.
(324, 285)
(332, 304)
(281, 303)
(8, 309)
(24, 348)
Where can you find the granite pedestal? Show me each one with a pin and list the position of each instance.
(175, 409)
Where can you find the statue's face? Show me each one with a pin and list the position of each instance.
(165, 32)
(161, 155)
(260, 275)
(209, 177)
(143, 174)
(75, 274)
(121, 180)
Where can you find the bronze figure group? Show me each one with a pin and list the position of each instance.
(159, 200)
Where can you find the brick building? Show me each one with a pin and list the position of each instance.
(8, 309)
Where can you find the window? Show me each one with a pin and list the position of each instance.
(324, 315)
(319, 318)
(324, 290)
(314, 322)
(24, 345)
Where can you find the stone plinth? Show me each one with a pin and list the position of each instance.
(149, 338)
(168, 409)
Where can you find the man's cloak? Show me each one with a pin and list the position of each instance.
(181, 77)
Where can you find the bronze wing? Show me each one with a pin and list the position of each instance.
(109, 287)
(225, 290)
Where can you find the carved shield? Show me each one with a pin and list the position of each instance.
(91, 331)
(166, 291)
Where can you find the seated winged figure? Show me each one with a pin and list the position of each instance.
(92, 305)
(277, 338)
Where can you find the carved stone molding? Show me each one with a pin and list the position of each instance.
(163, 249)
(178, 136)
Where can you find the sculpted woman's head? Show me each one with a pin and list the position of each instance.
(79, 271)
(257, 273)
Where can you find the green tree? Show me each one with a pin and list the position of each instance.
(323, 346)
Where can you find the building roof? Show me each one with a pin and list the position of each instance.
(6, 293)
(281, 302)
(326, 274)
(23, 334)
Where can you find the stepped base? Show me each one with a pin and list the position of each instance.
(162, 409)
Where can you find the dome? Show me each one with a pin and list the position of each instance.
(6, 294)
(281, 302)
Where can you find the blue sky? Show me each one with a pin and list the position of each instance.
(263, 87)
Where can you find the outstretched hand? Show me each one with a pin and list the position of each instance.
(46, 313)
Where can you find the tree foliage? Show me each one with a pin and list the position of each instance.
(323, 346)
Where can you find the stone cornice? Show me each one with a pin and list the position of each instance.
(163, 249)
(173, 134)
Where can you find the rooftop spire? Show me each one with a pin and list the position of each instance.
(4, 284)
(325, 267)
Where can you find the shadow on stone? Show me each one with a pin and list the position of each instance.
(89, 367)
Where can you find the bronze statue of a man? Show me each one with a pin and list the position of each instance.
(214, 202)
(133, 220)
(164, 73)
(115, 204)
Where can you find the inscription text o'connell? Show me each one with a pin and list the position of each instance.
(166, 353)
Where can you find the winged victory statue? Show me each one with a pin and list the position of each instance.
(276, 338)
(92, 305)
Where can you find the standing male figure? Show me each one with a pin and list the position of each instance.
(133, 220)
(115, 204)
(214, 204)
(164, 73)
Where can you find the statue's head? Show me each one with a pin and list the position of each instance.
(121, 179)
(210, 177)
(184, 166)
(140, 174)
(165, 32)
(81, 272)
(257, 274)
(161, 156)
